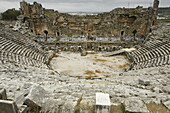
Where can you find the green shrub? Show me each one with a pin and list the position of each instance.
(10, 14)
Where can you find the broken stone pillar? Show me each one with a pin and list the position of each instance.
(8, 107)
(3, 95)
(155, 11)
(102, 103)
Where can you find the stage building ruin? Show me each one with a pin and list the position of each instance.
(118, 23)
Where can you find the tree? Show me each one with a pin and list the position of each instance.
(10, 14)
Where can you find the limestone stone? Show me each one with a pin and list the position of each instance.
(8, 107)
(157, 90)
(144, 82)
(167, 104)
(69, 106)
(37, 95)
(110, 23)
(21, 98)
(52, 106)
(166, 89)
(32, 107)
(3, 95)
(135, 105)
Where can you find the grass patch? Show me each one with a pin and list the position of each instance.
(101, 60)
(86, 77)
(90, 77)
(98, 71)
(123, 66)
(89, 72)
(106, 76)
(165, 20)
(79, 76)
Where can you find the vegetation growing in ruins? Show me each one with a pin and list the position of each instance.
(10, 14)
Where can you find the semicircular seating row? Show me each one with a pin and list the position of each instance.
(18, 52)
(152, 54)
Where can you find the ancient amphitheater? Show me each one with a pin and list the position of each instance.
(77, 75)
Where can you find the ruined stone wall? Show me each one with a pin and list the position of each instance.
(155, 12)
(121, 22)
(34, 15)
(164, 11)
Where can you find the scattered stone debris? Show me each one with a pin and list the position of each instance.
(29, 85)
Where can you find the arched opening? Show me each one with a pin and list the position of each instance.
(150, 30)
(58, 33)
(134, 34)
(46, 34)
(153, 23)
(122, 35)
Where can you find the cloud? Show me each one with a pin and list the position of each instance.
(83, 5)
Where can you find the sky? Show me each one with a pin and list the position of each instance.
(83, 5)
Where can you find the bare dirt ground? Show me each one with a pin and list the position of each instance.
(90, 66)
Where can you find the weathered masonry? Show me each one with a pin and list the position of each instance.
(119, 23)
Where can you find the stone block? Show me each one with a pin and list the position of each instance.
(3, 95)
(166, 89)
(32, 107)
(37, 94)
(8, 107)
(21, 98)
(35, 99)
(167, 104)
(144, 82)
(102, 103)
(135, 105)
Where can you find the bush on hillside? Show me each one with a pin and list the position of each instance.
(10, 14)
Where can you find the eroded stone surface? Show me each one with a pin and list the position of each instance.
(167, 104)
(3, 95)
(8, 107)
(135, 105)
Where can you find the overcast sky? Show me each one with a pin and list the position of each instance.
(83, 5)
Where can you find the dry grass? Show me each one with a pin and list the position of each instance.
(155, 108)
(91, 77)
(100, 60)
(89, 72)
(79, 76)
(98, 71)
(106, 76)
(86, 77)
(123, 66)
